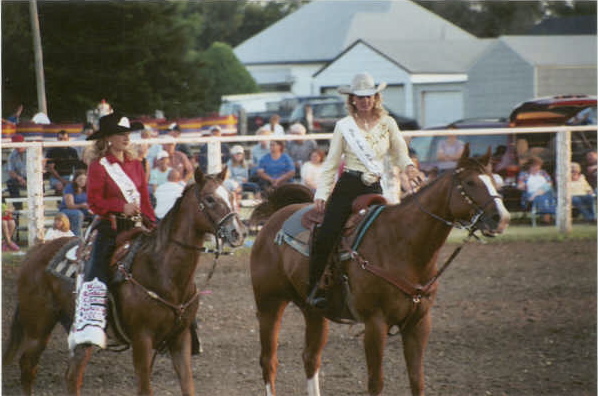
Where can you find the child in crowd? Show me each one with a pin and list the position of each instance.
(8, 229)
(60, 228)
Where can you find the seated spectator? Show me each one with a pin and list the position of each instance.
(202, 157)
(9, 227)
(178, 160)
(591, 168)
(258, 150)
(175, 131)
(275, 168)
(312, 169)
(159, 173)
(536, 185)
(449, 151)
(238, 171)
(60, 228)
(167, 193)
(61, 163)
(74, 203)
(582, 194)
(16, 166)
(300, 150)
(274, 125)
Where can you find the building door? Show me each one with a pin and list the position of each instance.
(441, 107)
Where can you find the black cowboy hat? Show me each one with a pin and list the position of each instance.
(111, 124)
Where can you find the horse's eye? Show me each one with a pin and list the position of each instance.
(210, 200)
(470, 183)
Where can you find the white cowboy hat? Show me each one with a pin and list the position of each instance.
(362, 85)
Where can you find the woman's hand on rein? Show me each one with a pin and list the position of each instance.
(320, 205)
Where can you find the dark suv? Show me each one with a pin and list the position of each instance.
(555, 110)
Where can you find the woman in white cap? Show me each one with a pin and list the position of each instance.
(361, 140)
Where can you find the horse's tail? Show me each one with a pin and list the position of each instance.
(15, 339)
(287, 194)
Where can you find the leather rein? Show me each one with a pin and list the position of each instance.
(180, 309)
(418, 291)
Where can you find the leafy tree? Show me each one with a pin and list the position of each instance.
(227, 75)
(496, 18)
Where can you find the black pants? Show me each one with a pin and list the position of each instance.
(103, 248)
(338, 209)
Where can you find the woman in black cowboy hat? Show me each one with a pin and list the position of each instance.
(117, 194)
(361, 140)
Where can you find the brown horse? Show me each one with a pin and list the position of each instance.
(156, 304)
(396, 257)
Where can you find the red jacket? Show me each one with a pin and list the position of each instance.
(104, 196)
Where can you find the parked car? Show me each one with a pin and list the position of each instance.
(555, 110)
(327, 110)
(426, 146)
(288, 105)
(502, 146)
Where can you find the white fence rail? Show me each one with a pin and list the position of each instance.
(35, 160)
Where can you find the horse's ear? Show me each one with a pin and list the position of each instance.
(199, 176)
(222, 174)
(465, 151)
(485, 159)
(464, 156)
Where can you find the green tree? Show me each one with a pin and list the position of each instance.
(226, 74)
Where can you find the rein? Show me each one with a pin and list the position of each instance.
(418, 291)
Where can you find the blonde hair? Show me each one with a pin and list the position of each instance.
(66, 223)
(378, 109)
(575, 167)
(100, 148)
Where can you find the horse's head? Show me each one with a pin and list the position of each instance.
(216, 212)
(474, 199)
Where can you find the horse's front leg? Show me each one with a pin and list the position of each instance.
(415, 339)
(180, 352)
(142, 361)
(374, 341)
(269, 317)
(76, 368)
(316, 335)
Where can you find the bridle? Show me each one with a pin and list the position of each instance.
(478, 210)
(221, 232)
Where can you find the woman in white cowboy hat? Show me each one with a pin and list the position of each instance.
(117, 194)
(362, 140)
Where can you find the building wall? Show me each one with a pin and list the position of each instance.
(566, 80)
(497, 81)
(362, 58)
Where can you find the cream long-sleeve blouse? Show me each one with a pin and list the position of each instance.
(385, 139)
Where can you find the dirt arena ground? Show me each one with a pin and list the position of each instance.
(512, 318)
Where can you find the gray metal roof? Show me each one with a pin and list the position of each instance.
(432, 56)
(322, 29)
(554, 50)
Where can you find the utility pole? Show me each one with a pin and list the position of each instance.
(39, 59)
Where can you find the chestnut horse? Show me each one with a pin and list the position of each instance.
(403, 243)
(156, 304)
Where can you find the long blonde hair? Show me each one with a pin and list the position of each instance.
(66, 223)
(100, 148)
(378, 109)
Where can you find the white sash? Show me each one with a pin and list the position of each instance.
(122, 180)
(361, 147)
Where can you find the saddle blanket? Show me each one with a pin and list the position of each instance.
(64, 264)
(297, 236)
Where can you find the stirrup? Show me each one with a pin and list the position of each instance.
(317, 298)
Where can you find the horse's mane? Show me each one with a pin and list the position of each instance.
(280, 197)
(159, 237)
